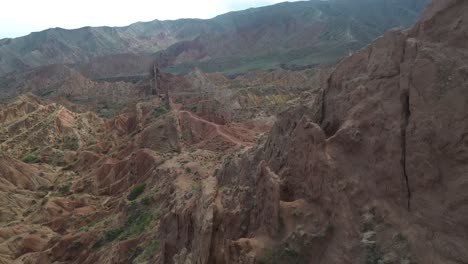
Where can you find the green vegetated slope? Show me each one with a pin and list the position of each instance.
(294, 34)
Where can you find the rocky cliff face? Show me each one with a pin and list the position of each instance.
(372, 170)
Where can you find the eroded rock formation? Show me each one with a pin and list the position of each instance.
(376, 163)
(366, 165)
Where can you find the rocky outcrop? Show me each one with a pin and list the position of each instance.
(380, 154)
(80, 188)
(31, 125)
(62, 81)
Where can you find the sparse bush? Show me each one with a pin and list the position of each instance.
(87, 184)
(282, 255)
(109, 110)
(188, 170)
(69, 167)
(136, 226)
(133, 255)
(297, 212)
(372, 255)
(151, 249)
(43, 188)
(196, 188)
(160, 111)
(64, 189)
(400, 237)
(367, 226)
(30, 159)
(108, 237)
(147, 201)
(138, 220)
(136, 191)
(194, 109)
(71, 142)
(44, 200)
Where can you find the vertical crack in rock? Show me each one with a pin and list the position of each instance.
(405, 120)
(322, 103)
(329, 126)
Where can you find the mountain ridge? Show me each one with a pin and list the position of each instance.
(255, 38)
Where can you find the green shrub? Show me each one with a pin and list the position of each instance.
(87, 184)
(400, 237)
(138, 220)
(283, 255)
(30, 159)
(113, 234)
(136, 191)
(64, 189)
(133, 254)
(108, 237)
(137, 224)
(196, 188)
(371, 255)
(71, 142)
(188, 170)
(151, 249)
(147, 201)
(194, 108)
(44, 200)
(160, 111)
(144, 255)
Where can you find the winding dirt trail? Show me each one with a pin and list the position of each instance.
(218, 128)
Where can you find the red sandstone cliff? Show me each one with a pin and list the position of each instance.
(374, 170)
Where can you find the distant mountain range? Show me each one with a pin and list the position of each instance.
(284, 35)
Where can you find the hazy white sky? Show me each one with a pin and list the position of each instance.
(20, 17)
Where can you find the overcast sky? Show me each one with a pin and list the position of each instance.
(21, 17)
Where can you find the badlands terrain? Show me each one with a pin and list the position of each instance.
(315, 132)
